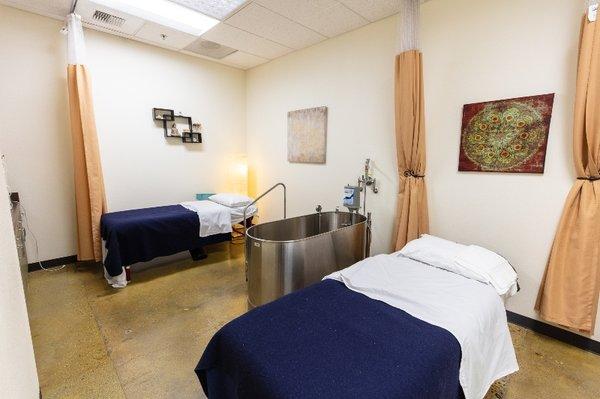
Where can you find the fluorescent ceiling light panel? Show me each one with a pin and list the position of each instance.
(215, 8)
(164, 12)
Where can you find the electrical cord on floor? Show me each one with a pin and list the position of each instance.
(36, 247)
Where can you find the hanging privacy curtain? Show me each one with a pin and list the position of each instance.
(412, 214)
(89, 184)
(569, 292)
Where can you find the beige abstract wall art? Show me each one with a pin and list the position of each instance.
(307, 135)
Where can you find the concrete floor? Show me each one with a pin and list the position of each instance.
(92, 341)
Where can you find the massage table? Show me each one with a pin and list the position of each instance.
(140, 235)
(331, 341)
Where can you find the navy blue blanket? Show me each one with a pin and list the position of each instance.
(327, 341)
(140, 235)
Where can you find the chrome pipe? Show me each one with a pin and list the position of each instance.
(262, 195)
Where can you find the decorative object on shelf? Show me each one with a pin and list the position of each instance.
(174, 131)
(192, 137)
(178, 126)
(307, 135)
(506, 135)
(163, 114)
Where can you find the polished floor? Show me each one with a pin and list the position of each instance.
(92, 341)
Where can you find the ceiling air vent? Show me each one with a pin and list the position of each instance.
(108, 19)
(210, 49)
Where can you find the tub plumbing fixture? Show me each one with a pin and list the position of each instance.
(367, 180)
(262, 195)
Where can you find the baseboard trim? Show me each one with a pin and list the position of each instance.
(557, 333)
(32, 267)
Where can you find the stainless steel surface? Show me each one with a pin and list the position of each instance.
(366, 180)
(265, 193)
(289, 254)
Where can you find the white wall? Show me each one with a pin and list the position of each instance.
(502, 49)
(353, 76)
(141, 167)
(34, 132)
(474, 50)
(18, 375)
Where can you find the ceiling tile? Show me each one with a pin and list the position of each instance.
(328, 17)
(245, 41)
(152, 32)
(209, 49)
(218, 9)
(270, 25)
(244, 60)
(50, 8)
(373, 10)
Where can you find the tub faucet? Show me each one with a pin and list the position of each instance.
(319, 208)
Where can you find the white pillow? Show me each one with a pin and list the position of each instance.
(440, 253)
(432, 250)
(470, 261)
(230, 200)
(495, 270)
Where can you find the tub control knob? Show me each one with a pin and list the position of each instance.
(319, 208)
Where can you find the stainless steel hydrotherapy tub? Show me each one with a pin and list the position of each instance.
(289, 254)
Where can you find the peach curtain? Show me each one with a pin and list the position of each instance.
(569, 292)
(89, 184)
(412, 214)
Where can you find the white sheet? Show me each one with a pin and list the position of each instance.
(237, 214)
(214, 218)
(473, 312)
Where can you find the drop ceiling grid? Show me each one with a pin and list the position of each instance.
(244, 60)
(248, 42)
(51, 8)
(261, 21)
(259, 29)
(373, 10)
(327, 17)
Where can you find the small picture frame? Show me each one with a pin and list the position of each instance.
(163, 114)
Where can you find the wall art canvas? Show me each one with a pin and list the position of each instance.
(307, 135)
(506, 135)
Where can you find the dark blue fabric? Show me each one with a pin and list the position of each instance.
(140, 235)
(327, 341)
